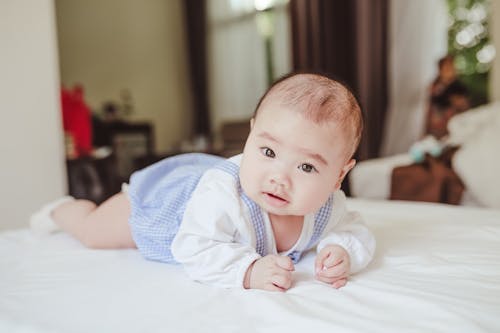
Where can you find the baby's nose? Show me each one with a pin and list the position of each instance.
(280, 178)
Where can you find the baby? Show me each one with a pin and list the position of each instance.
(244, 221)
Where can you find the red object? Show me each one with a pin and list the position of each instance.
(77, 119)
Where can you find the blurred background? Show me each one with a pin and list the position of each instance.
(93, 90)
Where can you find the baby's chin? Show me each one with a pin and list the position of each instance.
(283, 211)
(292, 211)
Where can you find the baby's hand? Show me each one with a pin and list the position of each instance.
(272, 272)
(332, 265)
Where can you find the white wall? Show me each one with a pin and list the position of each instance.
(135, 45)
(31, 141)
(495, 34)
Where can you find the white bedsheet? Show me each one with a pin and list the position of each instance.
(437, 269)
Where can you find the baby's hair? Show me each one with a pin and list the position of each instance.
(320, 99)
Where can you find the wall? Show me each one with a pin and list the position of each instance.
(31, 141)
(495, 34)
(139, 46)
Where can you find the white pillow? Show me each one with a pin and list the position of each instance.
(477, 162)
(466, 125)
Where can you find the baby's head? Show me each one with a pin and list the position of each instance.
(303, 134)
(320, 100)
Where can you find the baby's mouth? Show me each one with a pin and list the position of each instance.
(275, 199)
(275, 196)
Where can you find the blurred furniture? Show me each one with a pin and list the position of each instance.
(128, 142)
(431, 180)
(234, 135)
(132, 148)
(92, 178)
(96, 178)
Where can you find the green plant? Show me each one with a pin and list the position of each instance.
(469, 42)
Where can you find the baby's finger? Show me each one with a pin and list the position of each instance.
(273, 287)
(339, 283)
(335, 271)
(285, 263)
(330, 280)
(320, 258)
(333, 259)
(282, 281)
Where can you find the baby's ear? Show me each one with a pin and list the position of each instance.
(348, 166)
(345, 169)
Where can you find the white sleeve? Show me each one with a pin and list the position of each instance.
(206, 242)
(348, 230)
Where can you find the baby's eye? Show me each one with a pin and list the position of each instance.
(306, 167)
(268, 152)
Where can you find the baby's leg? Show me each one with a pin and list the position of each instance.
(98, 227)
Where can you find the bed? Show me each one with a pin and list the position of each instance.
(436, 269)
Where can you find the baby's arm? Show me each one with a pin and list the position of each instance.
(272, 272)
(209, 253)
(346, 247)
(214, 244)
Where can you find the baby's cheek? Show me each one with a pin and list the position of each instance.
(311, 203)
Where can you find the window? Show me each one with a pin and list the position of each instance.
(249, 46)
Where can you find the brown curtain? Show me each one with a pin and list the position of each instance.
(347, 39)
(195, 18)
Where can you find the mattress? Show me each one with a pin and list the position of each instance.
(436, 269)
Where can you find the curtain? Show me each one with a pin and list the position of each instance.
(347, 39)
(195, 18)
(323, 37)
(418, 38)
(371, 17)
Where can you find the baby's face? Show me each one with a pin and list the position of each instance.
(290, 164)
